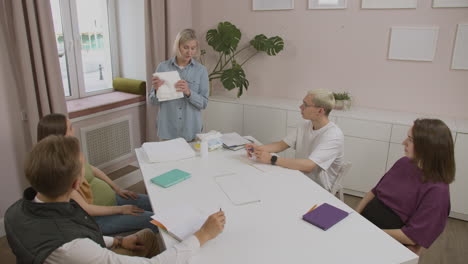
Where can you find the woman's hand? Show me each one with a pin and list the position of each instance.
(130, 210)
(126, 194)
(157, 83)
(182, 86)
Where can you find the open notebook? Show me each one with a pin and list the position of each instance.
(179, 222)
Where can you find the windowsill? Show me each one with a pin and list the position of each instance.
(98, 103)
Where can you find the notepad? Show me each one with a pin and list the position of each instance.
(170, 178)
(234, 140)
(325, 216)
(180, 222)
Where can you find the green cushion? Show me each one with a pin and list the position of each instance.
(129, 86)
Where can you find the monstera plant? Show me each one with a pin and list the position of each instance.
(224, 40)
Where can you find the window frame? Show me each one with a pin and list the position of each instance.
(72, 45)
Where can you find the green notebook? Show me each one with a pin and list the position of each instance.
(170, 178)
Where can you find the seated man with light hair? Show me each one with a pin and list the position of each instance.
(318, 142)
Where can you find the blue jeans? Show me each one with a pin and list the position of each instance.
(114, 224)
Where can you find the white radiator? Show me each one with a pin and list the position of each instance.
(108, 142)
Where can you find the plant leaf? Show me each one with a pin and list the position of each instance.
(235, 78)
(225, 38)
(271, 46)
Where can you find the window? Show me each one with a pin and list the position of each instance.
(86, 42)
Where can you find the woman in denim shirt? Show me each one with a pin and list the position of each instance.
(182, 117)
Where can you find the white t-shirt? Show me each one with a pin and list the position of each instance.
(325, 147)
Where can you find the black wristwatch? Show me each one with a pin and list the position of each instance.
(273, 159)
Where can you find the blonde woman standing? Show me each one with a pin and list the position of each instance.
(182, 117)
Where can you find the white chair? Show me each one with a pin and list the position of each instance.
(338, 187)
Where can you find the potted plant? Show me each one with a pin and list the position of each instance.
(342, 101)
(224, 40)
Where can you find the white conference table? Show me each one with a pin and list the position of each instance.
(272, 230)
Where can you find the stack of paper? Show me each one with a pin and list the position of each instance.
(167, 91)
(233, 141)
(179, 222)
(170, 150)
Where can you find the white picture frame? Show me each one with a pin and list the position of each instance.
(449, 3)
(264, 5)
(413, 43)
(327, 4)
(388, 4)
(460, 50)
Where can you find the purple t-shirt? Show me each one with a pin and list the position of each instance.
(423, 207)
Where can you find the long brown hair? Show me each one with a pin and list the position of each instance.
(52, 124)
(433, 150)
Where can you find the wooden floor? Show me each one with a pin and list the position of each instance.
(450, 248)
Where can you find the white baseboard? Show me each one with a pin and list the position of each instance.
(2, 227)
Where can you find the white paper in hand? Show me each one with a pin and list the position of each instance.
(167, 91)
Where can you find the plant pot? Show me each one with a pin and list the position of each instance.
(342, 104)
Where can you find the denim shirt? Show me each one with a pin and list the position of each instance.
(182, 117)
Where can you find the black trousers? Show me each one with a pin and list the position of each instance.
(381, 216)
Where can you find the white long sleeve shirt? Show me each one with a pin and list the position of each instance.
(85, 251)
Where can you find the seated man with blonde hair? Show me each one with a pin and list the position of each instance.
(318, 142)
(46, 226)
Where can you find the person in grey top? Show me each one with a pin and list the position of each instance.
(182, 117)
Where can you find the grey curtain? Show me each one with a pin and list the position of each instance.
(156, 52)
(31, 55)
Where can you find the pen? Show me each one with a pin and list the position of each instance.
(311, 209)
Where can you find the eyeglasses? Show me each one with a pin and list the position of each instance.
(305, 105)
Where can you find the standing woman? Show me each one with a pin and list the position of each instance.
(411, 202)
(182, 117)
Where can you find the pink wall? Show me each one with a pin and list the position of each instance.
(179, 17)
(346, 50)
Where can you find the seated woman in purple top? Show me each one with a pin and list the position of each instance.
(411, 202)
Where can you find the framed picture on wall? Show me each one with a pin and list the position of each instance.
(384, 4)
(413, 43)
(258, 5)
(450, 3)
(327, 4)
(460, 52)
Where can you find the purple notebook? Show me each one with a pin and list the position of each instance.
(325, 216)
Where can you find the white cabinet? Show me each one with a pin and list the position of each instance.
(396, 149)
(223, 117)
(265, 124)
(395, 152)
(366, 147)
(369, 159)
(459, 188)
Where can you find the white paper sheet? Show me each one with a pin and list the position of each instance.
(170, 150)
(167, 91)
(181, 222)
(237, 189)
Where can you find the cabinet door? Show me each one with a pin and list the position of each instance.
(458, 189)
(395, 152)
(223, 117)
(265, 124)
(368, 158)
